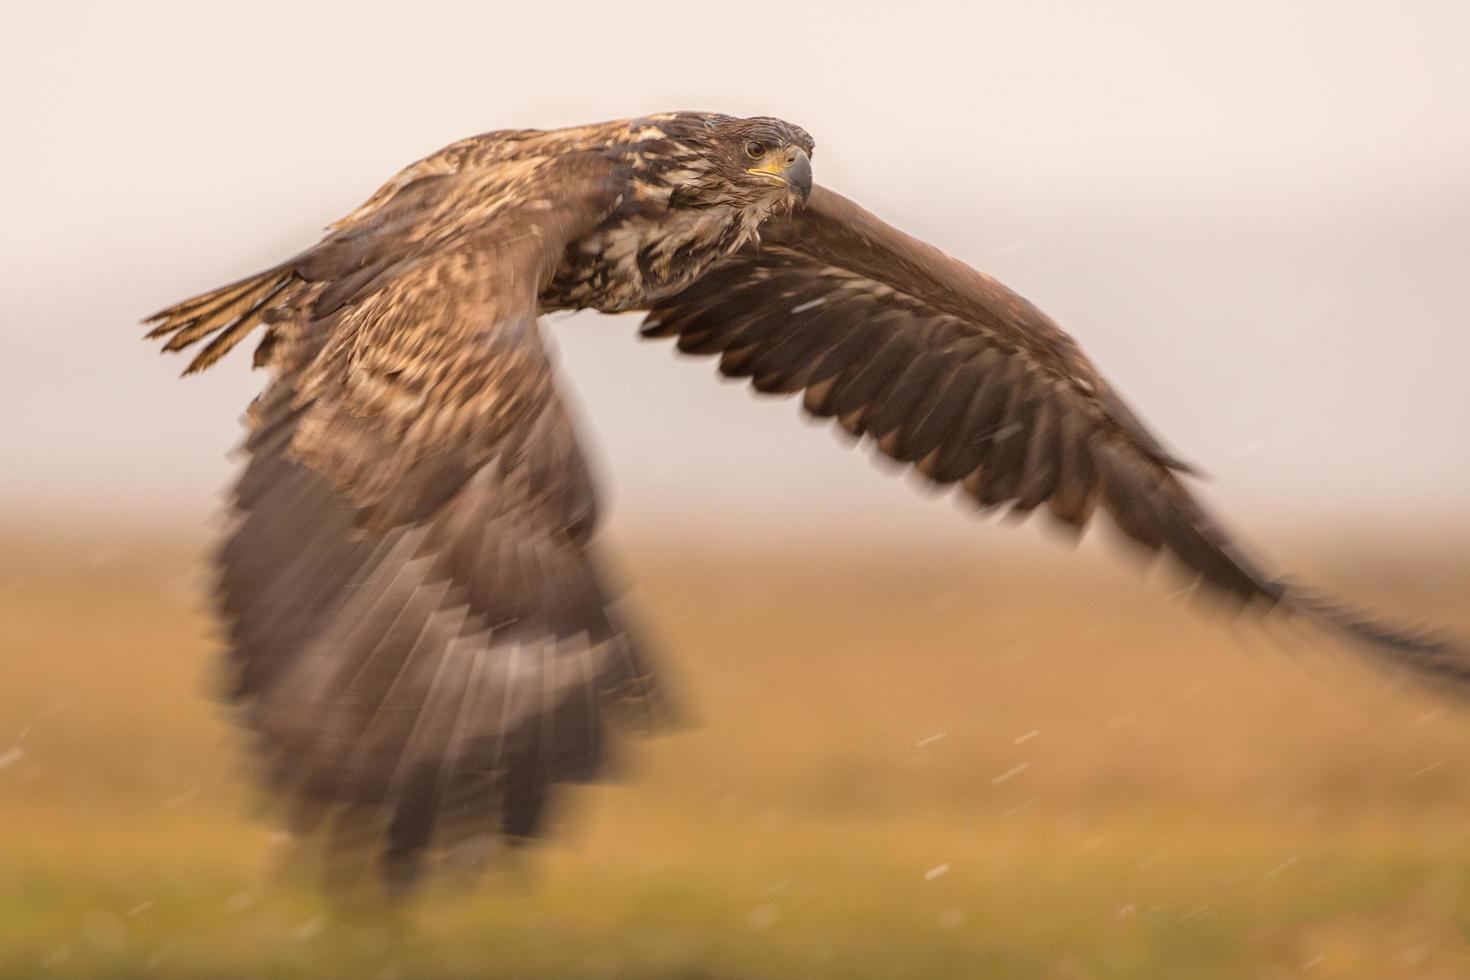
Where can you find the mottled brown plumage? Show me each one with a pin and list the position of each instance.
(421, 639)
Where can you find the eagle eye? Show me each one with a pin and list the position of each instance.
(755, 150)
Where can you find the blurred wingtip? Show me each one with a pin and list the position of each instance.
(1428, 652)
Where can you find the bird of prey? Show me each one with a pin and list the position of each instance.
(421, 639)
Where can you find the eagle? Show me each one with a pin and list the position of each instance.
(422, 638)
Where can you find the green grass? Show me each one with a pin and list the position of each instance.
(908, 765)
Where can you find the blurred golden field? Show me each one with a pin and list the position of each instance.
(985, 761)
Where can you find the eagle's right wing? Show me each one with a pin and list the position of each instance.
(421, 638)
(947, 369)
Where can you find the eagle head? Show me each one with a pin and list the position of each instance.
(761, 162)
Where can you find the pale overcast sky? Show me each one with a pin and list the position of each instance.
(1255, 217)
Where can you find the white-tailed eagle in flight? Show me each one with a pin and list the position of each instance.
(420, 639)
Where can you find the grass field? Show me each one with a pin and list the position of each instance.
(908, 764)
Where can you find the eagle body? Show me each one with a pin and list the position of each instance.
(644, 253)
(658, 235)
(422, 641)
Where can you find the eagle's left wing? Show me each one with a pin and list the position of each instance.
(947, 369)
(422, 638)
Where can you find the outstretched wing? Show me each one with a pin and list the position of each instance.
(421, 639)
(947, 369)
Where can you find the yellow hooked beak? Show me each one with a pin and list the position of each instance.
(791, 166)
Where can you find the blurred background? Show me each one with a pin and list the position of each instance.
(929, 746)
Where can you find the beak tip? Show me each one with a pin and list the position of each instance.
(800, 176)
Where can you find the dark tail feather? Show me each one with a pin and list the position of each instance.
(227, 314)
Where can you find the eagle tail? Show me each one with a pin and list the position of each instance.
(226, 314)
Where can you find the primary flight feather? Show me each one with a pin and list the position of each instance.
(420, 638)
